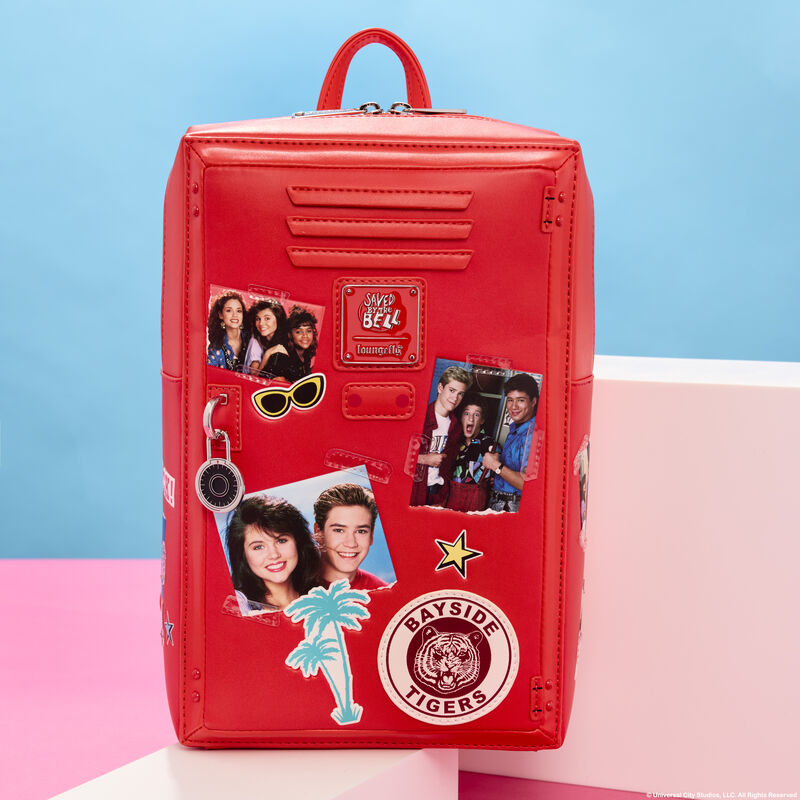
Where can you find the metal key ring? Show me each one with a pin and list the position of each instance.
(208, 428)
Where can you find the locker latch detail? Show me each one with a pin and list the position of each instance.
(550, 208)
(540, 691)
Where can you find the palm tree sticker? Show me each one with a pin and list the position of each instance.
(325, 613)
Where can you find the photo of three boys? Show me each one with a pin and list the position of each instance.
(460, 465)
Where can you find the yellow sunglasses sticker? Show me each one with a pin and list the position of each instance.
(275, 402)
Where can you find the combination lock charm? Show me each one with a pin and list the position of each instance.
(219, 484)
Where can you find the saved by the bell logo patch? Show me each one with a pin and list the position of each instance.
(448, 657)
(379, 322)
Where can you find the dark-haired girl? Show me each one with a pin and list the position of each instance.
(302, 326)
(273, 558)
(267, 353)
(225, 324)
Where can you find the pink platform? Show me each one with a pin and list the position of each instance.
(83, 690)
(81, 672)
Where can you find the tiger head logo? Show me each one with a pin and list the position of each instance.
(447, 662)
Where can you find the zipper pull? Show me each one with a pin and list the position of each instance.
(325, 113)
(364, 108)
(404, 108)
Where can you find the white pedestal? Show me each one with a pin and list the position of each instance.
(181, 773)
(688, 674)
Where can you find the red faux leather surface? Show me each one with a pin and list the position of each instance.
(572, 569)
(379, 196)
(377, 399)
(395, 259)
(379, 228)
(525, 295)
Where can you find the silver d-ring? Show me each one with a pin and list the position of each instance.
(208, 413)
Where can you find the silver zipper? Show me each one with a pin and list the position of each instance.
(373, 108)
(364, 108)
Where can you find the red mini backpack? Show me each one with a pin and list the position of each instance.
(377, 344)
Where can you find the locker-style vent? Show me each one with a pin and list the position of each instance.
(345, 258)
(367, 197)
(380, 228)
(400, 226)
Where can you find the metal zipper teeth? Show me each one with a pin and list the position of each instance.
(374, 108)
(330, 112)
(430, 111)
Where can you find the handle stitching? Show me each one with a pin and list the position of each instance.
(344, 60)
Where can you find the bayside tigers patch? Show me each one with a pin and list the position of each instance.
(448, 657)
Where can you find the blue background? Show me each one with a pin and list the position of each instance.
(687, 113)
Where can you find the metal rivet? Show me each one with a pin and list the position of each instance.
(195, 697)
(195, 187)
(548, 684)
(412, 357)
(413, 292)
(196, 674)
(348, 291)
(196, 211)
(348, 356)
(562, 197)
(548, 706)
(559, 221)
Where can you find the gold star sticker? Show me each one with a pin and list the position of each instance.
(456, 554)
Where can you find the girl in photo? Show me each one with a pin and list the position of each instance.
(267, 353)
(273, 557)
(302, 326)
(225, 325)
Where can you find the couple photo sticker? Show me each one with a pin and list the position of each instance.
(282, 542)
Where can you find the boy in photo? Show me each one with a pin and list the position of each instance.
(522, 399)
(469, 487)
(344, 524)
(442, 429)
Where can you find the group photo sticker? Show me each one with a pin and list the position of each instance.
(448, 657)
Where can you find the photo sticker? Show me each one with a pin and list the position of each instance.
(448, 657)
(580, 468)
(262, 336)
(476, 438)
(283, 542)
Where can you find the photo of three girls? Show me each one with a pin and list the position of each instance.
(255, 335)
